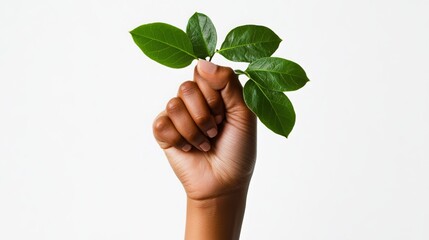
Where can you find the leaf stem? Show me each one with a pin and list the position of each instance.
(241, 72)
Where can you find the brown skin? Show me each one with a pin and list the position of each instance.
(209, 137)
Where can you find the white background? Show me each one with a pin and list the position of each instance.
(77, 101)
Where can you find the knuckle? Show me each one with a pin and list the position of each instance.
(213, 102)
(187, 88)
(202, 119)
(160, 125)
(174, 105)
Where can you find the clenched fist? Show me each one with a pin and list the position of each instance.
(208, 133)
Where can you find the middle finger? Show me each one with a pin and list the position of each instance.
(197, 107)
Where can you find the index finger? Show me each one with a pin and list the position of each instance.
(212, 96)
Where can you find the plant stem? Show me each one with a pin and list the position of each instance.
(213, 55)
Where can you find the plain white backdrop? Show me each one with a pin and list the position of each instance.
(77, 101)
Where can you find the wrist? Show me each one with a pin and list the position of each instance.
(219, 202)
(216, 218)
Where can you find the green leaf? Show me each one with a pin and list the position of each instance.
(277, 74)
(164, 44)
(248, 43)
(274, 109)
(203, 35)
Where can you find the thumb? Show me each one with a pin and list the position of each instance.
(224, 80)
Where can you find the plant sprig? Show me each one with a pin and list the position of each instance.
(269, 76)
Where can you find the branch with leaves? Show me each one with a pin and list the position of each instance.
(269, 76)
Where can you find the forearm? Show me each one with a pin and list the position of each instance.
(216, 219)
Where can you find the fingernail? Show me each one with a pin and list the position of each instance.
(212, 132)
(218, 119)
(205, 146)
(186, 148)
(206, 67)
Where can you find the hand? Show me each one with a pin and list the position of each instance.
(208, 134)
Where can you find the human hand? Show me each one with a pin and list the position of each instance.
(208, 134)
